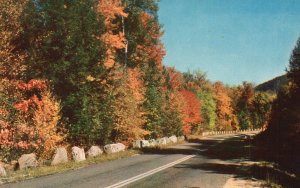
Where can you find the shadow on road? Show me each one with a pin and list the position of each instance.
(236, 156)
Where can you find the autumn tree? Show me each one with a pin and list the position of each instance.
(142, 32)
(11, 56)
(226, 118)
(61, 40)
(35, 124)
(243, 98)
(192, 109)
(173, 103)
(114, 36)
(128, 118)
(144, 53)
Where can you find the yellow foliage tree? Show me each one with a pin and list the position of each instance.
(128, 118)
(46, 118)
(112, 38)
(11, 59)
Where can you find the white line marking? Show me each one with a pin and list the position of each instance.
(149, 173)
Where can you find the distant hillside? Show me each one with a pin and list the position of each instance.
(273, 85)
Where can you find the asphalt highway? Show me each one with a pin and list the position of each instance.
(183, 166)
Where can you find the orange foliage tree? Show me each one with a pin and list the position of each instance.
(136, 84)
(192, 109)
(176, 78)
(152, 48)
(35, 122)
(226, 118)
(113, 38)
(46, 119)
(11, 58)
(128, 118)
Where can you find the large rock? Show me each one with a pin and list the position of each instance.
(153, 143)
(162, 141)
(61, 156)
(94, 151)
(168, 140)
(78, 154)
(173, 139)
(114, 148)
(137, 144)
(145, 143)
(181, 138)
(27, 161)
(2, 170)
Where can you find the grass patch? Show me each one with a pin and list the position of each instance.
(14, 176)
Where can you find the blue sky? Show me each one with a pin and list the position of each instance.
(231, 40)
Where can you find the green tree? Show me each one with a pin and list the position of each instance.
(243, 100)
(208, 109)
(283, 131)
(153, 104)
(262, 105)
(61, 40)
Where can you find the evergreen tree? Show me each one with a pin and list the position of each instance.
(61, 39)
(294, 69)
(153, 100)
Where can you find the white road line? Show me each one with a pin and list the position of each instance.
(149, 173)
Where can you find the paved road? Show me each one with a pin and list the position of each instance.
(188, 165)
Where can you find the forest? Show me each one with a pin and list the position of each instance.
(88, 72)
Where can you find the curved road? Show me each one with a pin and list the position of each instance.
(188, 165)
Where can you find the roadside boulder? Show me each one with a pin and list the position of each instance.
(173, 139)
(2, 170)
(61, 156)
(162, 141)
(137, 144)
(114, 148)
(78, 154)
(145, 143)
(27, 161)
(153, 143)
(180, 138)
(168, 140)
(94, 151)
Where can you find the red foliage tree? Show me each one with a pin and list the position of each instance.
(192, 109)
(176, 78)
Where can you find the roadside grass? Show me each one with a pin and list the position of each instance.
(47, 169)
(274, 176)
(14, 176)
(245, 160)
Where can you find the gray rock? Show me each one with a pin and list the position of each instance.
(114, 148)
(61, 156)
(162, 141)
(180, 138)
(153, 143)
(27, 161)
(168, 140)
(137, 144)
(94, 151)
(173, 139)
(145, 143)
(78, 154)
(2, 170)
